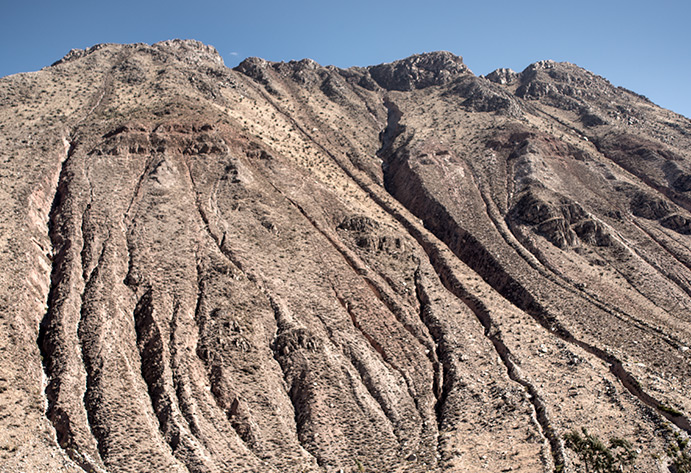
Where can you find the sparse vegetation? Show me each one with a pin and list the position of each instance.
(680, 454)
(669, 410)
(596, 457)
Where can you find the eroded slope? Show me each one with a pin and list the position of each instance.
(290, 267)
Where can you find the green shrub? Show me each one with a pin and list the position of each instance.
(596, 457)
(669, 410)
(680, 454)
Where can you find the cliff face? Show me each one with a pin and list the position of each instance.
(289, 267)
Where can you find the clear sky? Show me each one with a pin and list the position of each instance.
(644, 46)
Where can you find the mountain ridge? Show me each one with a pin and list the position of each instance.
(210, 51)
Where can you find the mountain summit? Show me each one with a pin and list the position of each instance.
(286, 267)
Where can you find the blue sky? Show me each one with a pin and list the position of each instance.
(644, 46)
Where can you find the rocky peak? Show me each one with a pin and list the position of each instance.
(304, 71)
(419, 71)
(306, 64)
(563, 74)
(191, 51)
(415, 72)
(502, 76)
(256, 68)
(76, 53)
(568, 87)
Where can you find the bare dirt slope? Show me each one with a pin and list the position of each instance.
(294, 268)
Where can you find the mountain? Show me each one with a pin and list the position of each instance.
(287, 267)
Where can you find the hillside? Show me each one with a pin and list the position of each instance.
(289, 267)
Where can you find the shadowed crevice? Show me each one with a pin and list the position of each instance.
(50, 342)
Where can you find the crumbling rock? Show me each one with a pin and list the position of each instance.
(502, 76)
(561, 221)
(592, 119)
(256, 68)
(683, 182)
(359, 224)
(192, 52)
(649, 206)
(419, 71)
(483, 96)
(678, 223)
